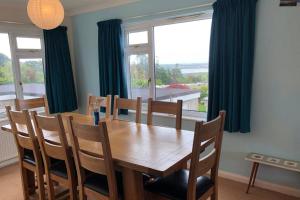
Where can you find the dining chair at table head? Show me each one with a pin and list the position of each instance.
(165, 108)
(28, 104)
(194, 184)
(59, 165)
(96, 173)
(99, 102)
(130, 104)
(30, 158)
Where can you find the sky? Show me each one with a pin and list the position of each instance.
(4, 44)
(183, 43)
(23, 43)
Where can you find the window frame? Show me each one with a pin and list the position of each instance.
(27, 31)
(149, 49)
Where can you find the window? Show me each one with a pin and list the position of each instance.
(21, 66)
(28, 43)
(32, 77)
(138, 38)
(139, 70)
(169, 61)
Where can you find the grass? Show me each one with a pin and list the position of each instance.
(202, 107)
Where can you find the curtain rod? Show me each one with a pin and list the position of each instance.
(170, 11)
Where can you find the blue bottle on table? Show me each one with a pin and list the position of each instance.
(96, 117)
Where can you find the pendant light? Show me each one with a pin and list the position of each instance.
(45, 14)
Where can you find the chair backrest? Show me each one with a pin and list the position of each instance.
(206, 134)
(28, 104)
(166, 108)
(131, 104)
(23, 133)
(45, 125)
(99, 102)
(101, 163)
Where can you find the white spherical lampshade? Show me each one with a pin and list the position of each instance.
(46, 14)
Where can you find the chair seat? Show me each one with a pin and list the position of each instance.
(29, 156)
(99, 183)
(175, 186)
(58, 167)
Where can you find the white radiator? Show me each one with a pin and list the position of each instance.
(8, 150)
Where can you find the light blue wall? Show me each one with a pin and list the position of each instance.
(276, 87)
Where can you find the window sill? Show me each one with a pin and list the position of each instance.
(184, 117)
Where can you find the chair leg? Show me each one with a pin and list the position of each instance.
(24, 177)
(31, 181)
(50, 187)
(81, 194)
(41, 188)
(73, 191)
(215, 194)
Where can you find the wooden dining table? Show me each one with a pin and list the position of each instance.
(137, 149)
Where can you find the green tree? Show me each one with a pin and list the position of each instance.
(32, 72)
(203, 92)
(139, 72)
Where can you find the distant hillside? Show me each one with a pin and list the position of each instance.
(3, 59)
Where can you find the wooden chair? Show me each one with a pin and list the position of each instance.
(28, 104)
(96, 173)
(59, 166)
(130, 104)
(193, 184)
(166, 108)
(30, 158)
(99, 102)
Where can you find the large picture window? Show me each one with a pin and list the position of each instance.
(21, 65)
(168, 60)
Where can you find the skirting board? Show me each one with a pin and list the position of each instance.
(9, 162)
(262, 184)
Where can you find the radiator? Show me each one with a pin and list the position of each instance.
(8, 149)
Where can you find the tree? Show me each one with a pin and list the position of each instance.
(3, 59)
(203, 92)
(139, 72)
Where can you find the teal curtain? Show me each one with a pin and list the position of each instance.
(231, 62)
(112, 73)
(59, 79)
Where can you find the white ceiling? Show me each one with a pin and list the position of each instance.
(73, 7)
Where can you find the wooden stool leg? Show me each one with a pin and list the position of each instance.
(255, 174)
(251, 177)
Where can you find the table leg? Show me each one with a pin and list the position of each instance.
(255, 174)
(251, 177)
(133, 184)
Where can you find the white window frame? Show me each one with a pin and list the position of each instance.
(150, 49)
(26, 31)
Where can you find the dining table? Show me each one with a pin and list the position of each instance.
(137, 149)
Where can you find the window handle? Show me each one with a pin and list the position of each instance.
(149, 81)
